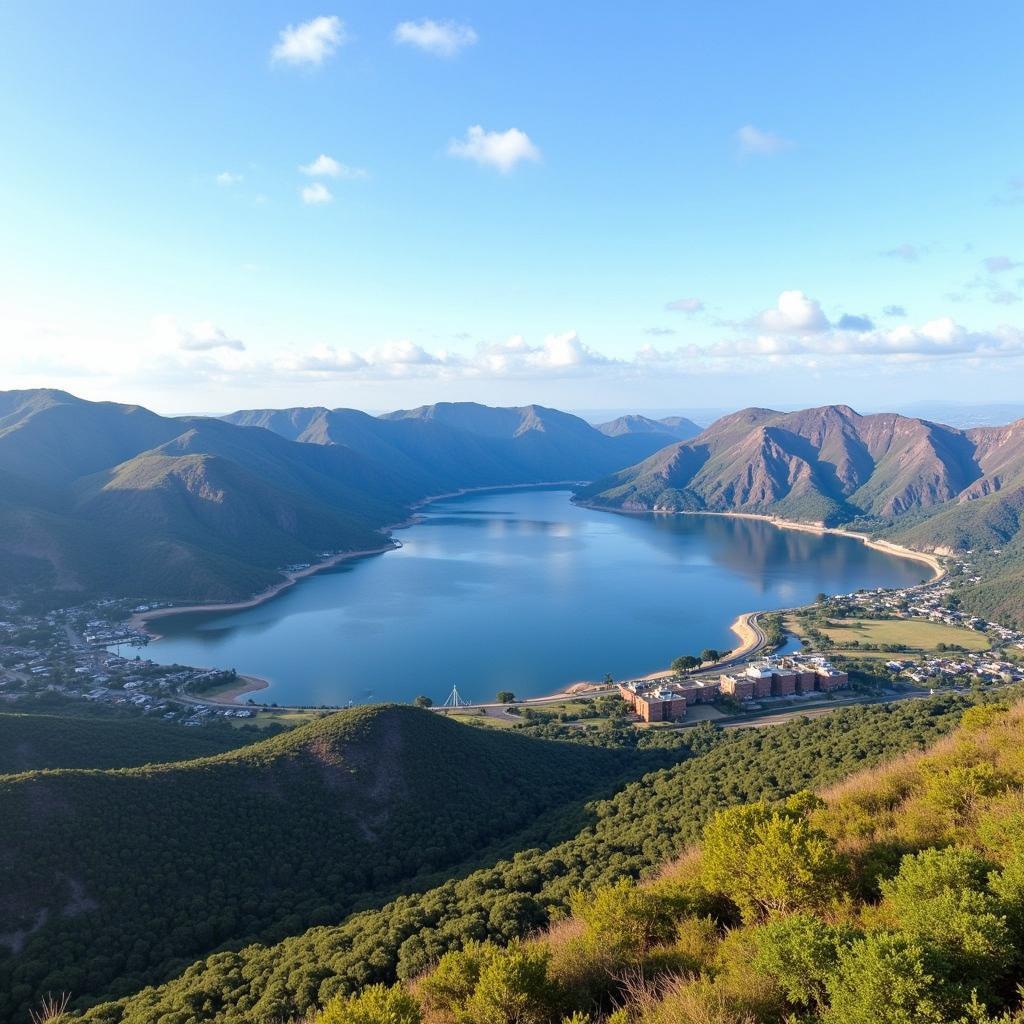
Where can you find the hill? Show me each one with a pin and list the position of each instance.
(645, 824)
(894, 898)
(32, 740)
(118, 878)
(674, 428)
(922, 484)
(97, 497)
(456, 445)
(830, 464)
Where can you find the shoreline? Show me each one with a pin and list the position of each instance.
(884, 546)
(141, 620)
(229, 696)
(743, 626)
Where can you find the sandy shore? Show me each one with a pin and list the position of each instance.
(885, 546)
(242, 687)
(142, 620)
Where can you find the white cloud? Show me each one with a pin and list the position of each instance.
(441, 38)
(316, 194)
(794, 313)
(309, 43)
(685, 306)
(327, 167)
(204, 336)
(228, 178)
(755, 142)
(324, 359)
(494, 149)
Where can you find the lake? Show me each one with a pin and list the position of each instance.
(521, 590)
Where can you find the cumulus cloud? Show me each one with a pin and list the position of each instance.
(323, 359)
(794, 313)
(852, 322)
(228, 178)
(327, 167)
(894, 310)
(999, 264)
(309, 43)
(204, 336)
(440, 38)
(502, 150)
(685, 306)
(316, 194)
(753, 141)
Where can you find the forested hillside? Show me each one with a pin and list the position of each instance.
(101, 738)
(113, 879)
(645, 824)
(896, 898)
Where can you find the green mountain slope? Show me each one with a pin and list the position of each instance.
(98, 497)
(647, 823)
(102, 738)
(896, 897)
(117, 878)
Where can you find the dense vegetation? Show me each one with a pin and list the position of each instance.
(118, 878)
(643, 825)
(101, 738)
(896, 899)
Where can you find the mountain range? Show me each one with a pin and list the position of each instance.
(828, 464)
(103, 497)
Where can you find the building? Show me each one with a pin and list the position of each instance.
(737, 687)
(783, 677)
(654, 701)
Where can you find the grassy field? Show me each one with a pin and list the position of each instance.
(918, 635)
(284, 716)
(490, 721)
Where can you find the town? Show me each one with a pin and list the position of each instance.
(90, 652)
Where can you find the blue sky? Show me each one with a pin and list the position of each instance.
(586, 205)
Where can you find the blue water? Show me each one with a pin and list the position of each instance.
(521, 590)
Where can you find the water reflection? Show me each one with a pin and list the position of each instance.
(524, 591)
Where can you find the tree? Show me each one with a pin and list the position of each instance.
(684, 663)
(423, 702)
(798, 953)
(376, 1004)
(709, 654)
(821, 598)
(769, 859)
(506, 696)
(882, 979)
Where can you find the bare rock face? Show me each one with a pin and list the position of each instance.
(828, 464)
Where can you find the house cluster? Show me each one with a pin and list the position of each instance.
(988, 667)
(929, 601)
(65, 652)
(785, 676)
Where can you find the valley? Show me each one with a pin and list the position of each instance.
(158, 843)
